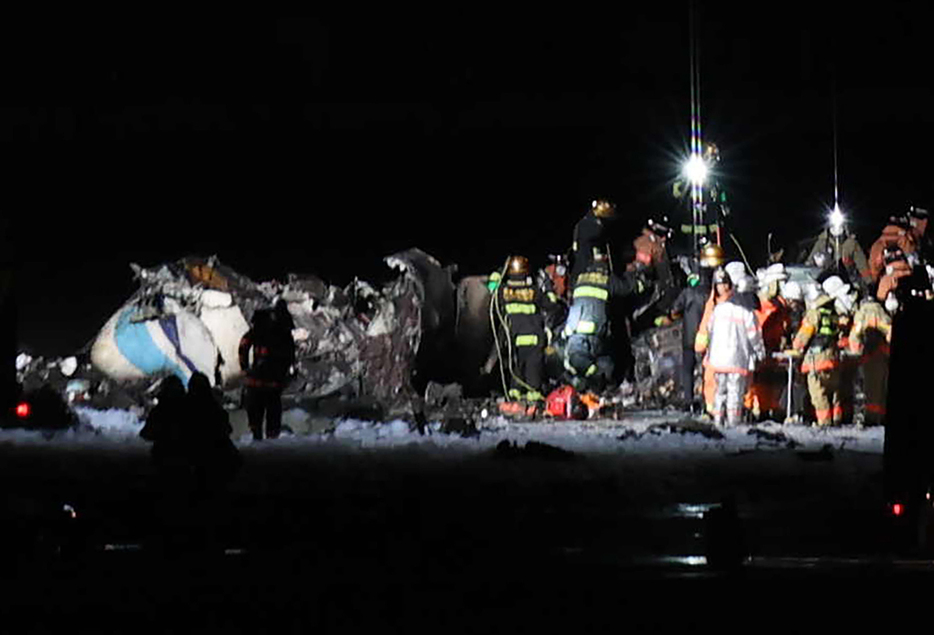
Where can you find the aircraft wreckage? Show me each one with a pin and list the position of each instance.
(413, 345)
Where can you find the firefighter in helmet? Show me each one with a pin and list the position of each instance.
(588, 363)
(690, 306)
(818, 340)
(518, 310)
(591, 232)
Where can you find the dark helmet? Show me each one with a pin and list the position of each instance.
(603, 208)
(660, 228)
(518, 266)
(917, 212)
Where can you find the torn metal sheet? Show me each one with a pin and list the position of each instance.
(360, 342)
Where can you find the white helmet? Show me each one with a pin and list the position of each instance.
(736, 270)
(791, 290)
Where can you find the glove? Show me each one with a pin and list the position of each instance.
(662, 320)
(790, 352)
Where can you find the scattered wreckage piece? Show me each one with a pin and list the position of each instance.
(657, 353)
(359, 343)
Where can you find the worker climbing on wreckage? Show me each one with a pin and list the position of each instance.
(591, 232)
(519, 311)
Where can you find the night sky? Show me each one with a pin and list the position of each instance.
(320, 145)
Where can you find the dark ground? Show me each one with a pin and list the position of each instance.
(330, 539)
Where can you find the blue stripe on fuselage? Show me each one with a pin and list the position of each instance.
(136, 344)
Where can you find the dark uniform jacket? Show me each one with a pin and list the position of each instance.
(593, 289)
(690, 304)
(273, 355)
(524, 310)
(589, 232)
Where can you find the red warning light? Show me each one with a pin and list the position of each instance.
(23, 410)
(898, 509)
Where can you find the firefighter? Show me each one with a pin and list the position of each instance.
(837, 251)
(897, 233)
(774, 321)
(690, 305)
(521, 336)
(591, 232)
(818, 341)
(733, 350)
(713, 206)
(869, 338)
(651, 257)
(721, 292)
(793, 297)
(588, 363)
(273, 354)
(744, 286)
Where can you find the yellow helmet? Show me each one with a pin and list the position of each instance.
(602, 208)
(712, 256)
(518, 266)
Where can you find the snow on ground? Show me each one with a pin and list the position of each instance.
(641, 433)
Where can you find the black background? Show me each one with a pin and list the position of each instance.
(320, 145)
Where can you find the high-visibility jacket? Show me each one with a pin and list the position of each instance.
(818, 337)
(519, 305)
(592, 290)
(775, 321)
(871, 332)
(735, 339)
(702, 339)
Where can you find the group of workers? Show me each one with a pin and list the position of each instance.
(778, 343)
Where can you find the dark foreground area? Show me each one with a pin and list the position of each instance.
(332, 539)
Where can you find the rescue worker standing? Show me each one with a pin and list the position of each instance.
(735, 347)
(722, 291)
(775, 321)
(519, 310)
(690, 305)
(869, 338)
(836, 250)
(590, 233)
(793, 296)
(588, 330)
(273, 353)
(818, 340)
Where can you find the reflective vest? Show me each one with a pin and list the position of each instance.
(519, 306)
(588, 315)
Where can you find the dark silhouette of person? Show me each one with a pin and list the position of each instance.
(213, 457)
(273, 350)
(165, 429)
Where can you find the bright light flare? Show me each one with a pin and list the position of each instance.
(695, 169)
(898, 509)
(836, 217)
(23, 410)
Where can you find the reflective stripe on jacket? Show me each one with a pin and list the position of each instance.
(735, 339)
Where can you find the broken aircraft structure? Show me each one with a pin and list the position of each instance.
(386, 349)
